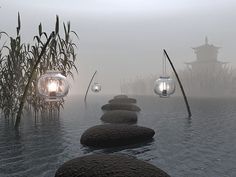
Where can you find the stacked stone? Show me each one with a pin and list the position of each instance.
(119, 115)
(120, 109)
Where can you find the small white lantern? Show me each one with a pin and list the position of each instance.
(53, 86)
(164, 86)
(96, 87)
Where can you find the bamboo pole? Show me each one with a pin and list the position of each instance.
(180, 84)
(22, 101)
(89, 86)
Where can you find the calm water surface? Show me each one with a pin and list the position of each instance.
(204, 146)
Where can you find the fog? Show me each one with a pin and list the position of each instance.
(124, 39)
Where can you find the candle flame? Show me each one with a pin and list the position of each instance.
(164, 86)
(52, 86)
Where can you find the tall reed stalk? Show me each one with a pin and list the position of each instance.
(22, 63)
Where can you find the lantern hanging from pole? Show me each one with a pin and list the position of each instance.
(96, 87)
(53, 86)
(165, 85)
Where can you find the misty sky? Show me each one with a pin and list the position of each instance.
(123, 39)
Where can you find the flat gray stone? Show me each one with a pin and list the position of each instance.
(120, 106)
(120, 96)
(123, 100)
(103, 165)
(112, 135)
(119, 116)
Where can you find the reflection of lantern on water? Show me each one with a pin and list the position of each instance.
(96, 87)
(164, 86)
(53, 86)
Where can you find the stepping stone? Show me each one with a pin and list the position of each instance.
(120, 106)
(112, 135)
(119, 116)
(120, 96)
(123, 100)
(103, 165)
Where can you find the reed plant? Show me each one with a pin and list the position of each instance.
(17, 62)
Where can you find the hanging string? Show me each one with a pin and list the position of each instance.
(164, 64)
(96, 78)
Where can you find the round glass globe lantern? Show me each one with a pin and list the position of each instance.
(96, 87)
(164, 86)
(53, 86)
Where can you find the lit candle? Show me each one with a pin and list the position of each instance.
(164, 87)
(52, 87)
(96, 87)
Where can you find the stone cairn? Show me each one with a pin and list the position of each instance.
(119, 115)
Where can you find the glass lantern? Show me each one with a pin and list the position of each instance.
(96, 87)
(164, 86)
(53, 86)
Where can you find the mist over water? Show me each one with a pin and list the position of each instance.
(124, 42)
(124, 39)
(206, 76)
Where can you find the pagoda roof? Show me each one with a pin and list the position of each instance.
(206, 46)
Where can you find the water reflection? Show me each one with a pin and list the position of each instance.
(203, 145)
(32, 149)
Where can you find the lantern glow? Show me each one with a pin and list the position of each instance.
(96, 87)
(164, 87)
(53, 86)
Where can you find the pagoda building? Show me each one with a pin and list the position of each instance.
(206, 59)
(206, 76)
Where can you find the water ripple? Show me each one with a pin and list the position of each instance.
(202, 146)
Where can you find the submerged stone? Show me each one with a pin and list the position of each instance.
(119, 116)
(120, 106)
(123, 100)
(120, 96)
(103, 165)
(112, 135)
